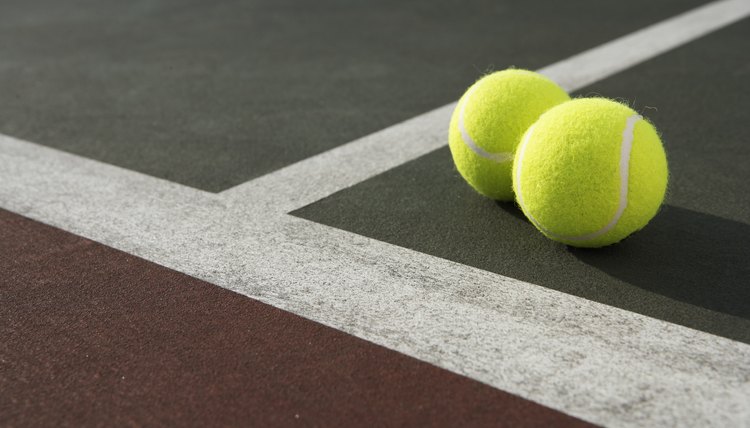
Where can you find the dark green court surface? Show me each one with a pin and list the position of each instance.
(213, 93)
(690, 266)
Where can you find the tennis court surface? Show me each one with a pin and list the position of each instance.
(246, 213)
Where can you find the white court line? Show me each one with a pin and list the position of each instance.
(317, 177)
(620, 54)
(602, 364)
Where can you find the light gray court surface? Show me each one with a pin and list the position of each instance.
(599, 363)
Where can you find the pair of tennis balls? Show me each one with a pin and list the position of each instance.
(586, 172)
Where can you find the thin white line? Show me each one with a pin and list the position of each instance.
(625, 147)
(498, 157)
(620, 54)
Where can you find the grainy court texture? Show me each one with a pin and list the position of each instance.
(130, 342)
(245, 213)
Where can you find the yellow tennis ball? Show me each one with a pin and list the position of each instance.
(590, 172)
(489, 121)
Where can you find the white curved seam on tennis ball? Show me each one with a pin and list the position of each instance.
(625, 149)
(495, 157)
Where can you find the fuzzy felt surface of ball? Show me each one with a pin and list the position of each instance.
(489, 121)
(590, 172)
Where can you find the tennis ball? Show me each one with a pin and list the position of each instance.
(489, 121)
(590, 172)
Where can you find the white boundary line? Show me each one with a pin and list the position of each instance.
(602, 364)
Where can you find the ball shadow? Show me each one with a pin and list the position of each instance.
(689, 256)
(512, 208)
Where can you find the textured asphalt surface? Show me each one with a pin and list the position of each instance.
(123, 341)
(212, 94)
